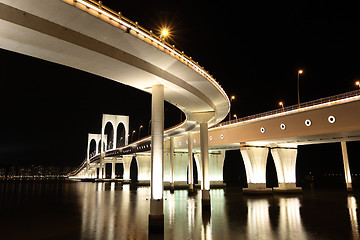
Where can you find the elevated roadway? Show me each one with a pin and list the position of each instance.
(92, 38)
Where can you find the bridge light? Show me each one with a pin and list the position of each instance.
(164, 32)
(281, 104)
(231, 99)
(357, 83)
(300, 71)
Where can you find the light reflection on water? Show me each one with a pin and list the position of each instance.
(112, 211)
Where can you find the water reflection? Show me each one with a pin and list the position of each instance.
(290, 225)
(258, 221)
(352, 206)
(112, 211)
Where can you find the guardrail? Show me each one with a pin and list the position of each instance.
(293, 107)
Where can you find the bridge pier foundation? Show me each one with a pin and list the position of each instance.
(255, 159)
(156, 216)
(285, 164)
(348, 180)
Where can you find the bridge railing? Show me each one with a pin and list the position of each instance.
(312, 103)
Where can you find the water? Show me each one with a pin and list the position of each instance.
(79, 210)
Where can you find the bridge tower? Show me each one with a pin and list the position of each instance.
(97, 139)
(115, 121)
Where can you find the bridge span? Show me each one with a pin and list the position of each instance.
(281, 131)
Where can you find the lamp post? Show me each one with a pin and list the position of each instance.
(231, 99)
(164, 34)
(357, 83)
(235, 116)
(149, 127)
(132, 135)
(298, 83)
(282, 105)
(141, 126)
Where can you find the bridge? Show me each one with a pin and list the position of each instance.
(281, 131)
(88, 36)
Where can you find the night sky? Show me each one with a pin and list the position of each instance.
(252, 48)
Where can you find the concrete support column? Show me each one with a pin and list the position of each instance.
(126, 165)
(216, 161)
(156, 216)
(172, 157)
(346, 166)
(204, 149)
(203, 118)
(101, 171)
(144, 168)
(255, 159)
(285, 163)
(191, 163)
(113, 169)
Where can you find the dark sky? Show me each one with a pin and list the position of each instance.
(252, 48)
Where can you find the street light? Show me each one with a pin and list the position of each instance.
(235, 116)
(132, 135)
(282, 105)
(149, 127)
(298, 80)
(357, 83)
(141, 126)
(164, 34)
(231, 99)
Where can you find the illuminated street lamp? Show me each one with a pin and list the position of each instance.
(231, 99)
(298, 80)
(235, 116)
(282, 105)
(149, 127)
(164, 34)
(357, 83)
(132, 135)
(141, 126)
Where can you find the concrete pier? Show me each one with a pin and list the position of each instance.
(255, 159)
(156, 216)
(348, 179)
(285, 163)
